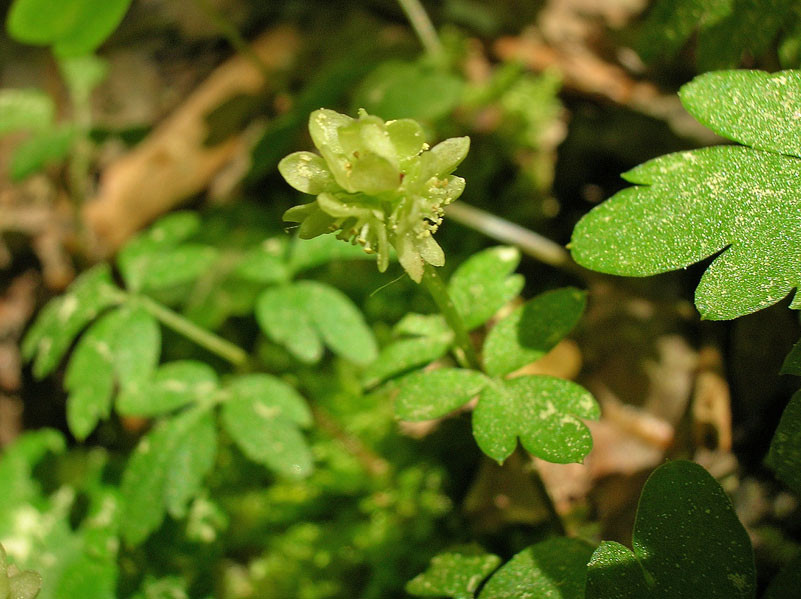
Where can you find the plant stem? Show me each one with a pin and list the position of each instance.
(465, 352)
(423, 27)
(531, 243)
(204, 338)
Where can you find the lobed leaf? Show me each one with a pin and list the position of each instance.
(739, 201)
(687, 539)
(554, 568)
(543, 411)
(455, 574)
(428, 395)
(173, 385)
(532, 330)
(303, 315)
(483, 285)
(160, 475)
(263, 415)
(64, 317)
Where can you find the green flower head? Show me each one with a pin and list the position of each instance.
(15, 584)
(377, 184)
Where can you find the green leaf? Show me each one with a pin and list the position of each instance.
(262, 416)
(172, 386)
(64, 317)
(553, 568)
(160, 474)
(139, 255)
(755, 112)
(787, 582)
(784, 456)
(735, 200)
(25, 110)
(483, 285)
(300, 315)
(136, 347)
(282, 315)
(404, 355)
(339, 322)
(544, 411)
(455, 574)
(17, 463)
(792, 362)
(615, 573)
(90, 376)
(72, 27)
(397, 90)
(686, 537)
(44, 148)
(175, 266)
(429, 395)
(532, 330)
(265, 263)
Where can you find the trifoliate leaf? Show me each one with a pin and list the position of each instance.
(454, 574)
(784, 456)
(687, 539)
(428, 395)
(173, 385)
(735, 200)
(263, 415)
(792, 362)
(532, 330)
(64, 317)
(25, 110)
(43, 148)
(543, 411)
(554, 568)
(72, 27)
(159, 464)
(300, 315)
(483, 285)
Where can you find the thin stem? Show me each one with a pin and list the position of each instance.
(232, 35)
(531, 243)
(423, 27)
(465, 352)
(205, 339)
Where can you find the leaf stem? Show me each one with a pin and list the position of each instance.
(423, 27)
(202, 337)
(465, 352)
